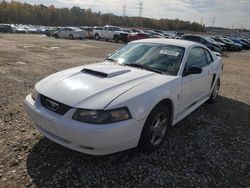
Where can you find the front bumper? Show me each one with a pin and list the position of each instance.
(83, 137)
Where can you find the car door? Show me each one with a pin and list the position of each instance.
(110, 33)
(61, 33)
(196, 87)
(105, 32)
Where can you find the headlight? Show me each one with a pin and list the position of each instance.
(102, 116)
(34, 94)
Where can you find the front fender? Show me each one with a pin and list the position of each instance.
(142, 99)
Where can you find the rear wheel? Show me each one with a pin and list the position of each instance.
(97, 37)
(155, 129)
(56, 36)
(215, 92)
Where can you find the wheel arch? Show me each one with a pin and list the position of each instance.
(169, 104)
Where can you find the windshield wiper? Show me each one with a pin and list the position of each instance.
(110, 59)
(143, 67)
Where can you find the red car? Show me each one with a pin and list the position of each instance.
(137, 36)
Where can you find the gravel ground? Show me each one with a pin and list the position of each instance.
(209, 148)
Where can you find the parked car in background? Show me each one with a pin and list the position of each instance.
(137, 36)
(221, 44)
(69, 33)
(238, 41)
(5, 28)
(229, 45)
(238, 47)
(131, 99)
(88, 31)
(245, 41)
(111, 33)
(203, 40)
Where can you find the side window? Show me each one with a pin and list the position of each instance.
(110, 28)
(196, 39)
(105, 28)
(196, 58)
(202, 41)
(208, 56)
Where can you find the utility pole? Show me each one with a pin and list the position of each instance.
(201, 22)
(241, 26)
(213, 21)
(124, 10)
(140, 8)
(232, 26)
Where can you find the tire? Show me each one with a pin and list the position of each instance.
(215, 92)
(56, 36)
(155, 129)
(97, 37)
(71, 37)
(116, 38)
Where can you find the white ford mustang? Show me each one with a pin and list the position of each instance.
(131, 99)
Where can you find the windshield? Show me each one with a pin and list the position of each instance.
(161, 57)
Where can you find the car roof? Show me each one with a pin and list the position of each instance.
(177, 42)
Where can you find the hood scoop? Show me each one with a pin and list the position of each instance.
(106, 73)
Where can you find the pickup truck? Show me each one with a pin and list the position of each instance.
(109, 32)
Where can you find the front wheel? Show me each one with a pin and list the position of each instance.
(155, 129)
(215, 92)
(71, 37)
(116, 38)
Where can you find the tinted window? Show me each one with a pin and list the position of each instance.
(209, 57)
(196, 58)
(110, 28)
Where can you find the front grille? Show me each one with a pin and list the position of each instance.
(54, 106)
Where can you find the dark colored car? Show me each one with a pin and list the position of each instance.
(238, 47)
(229, 45)
(245, 45)
(203, 40)
(245, 41)
(6, 29)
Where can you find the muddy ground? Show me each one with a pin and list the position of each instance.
(209, 148)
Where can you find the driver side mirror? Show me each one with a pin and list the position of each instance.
(192, 70)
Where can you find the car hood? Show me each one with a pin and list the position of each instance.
(93, 86)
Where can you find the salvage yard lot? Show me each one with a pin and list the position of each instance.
(211, 147)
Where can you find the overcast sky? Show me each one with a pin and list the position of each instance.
(222, 13)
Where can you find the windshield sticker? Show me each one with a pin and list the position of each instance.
(168, 52)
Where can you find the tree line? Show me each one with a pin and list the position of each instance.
(24, 13)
